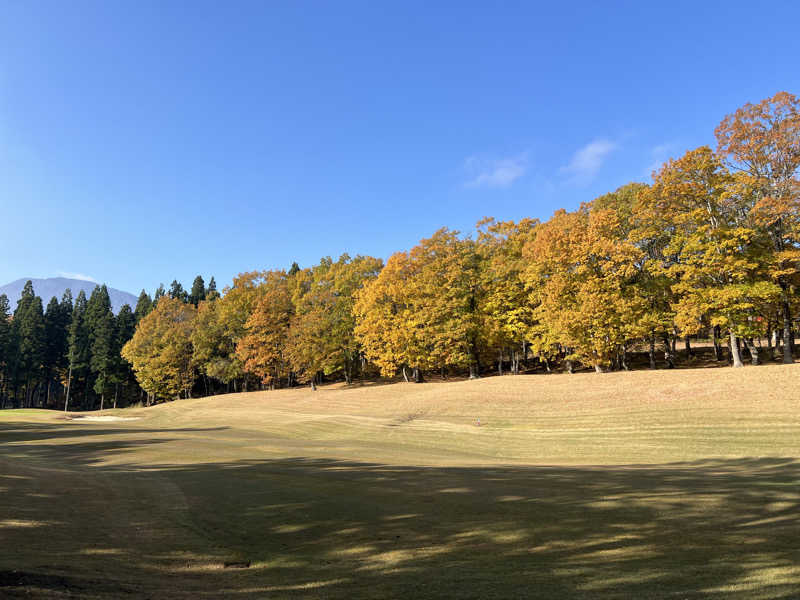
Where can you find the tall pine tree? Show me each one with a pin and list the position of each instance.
(143, 306)
(100, 324)
(78, 352)
(5, 347)
(29, 328)
(198, 293)
(124, 327)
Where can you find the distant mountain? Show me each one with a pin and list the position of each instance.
(55, 286)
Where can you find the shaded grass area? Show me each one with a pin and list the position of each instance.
(156, 508)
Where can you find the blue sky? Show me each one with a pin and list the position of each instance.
(146, 141)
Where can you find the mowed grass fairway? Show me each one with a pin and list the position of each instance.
(667, 484)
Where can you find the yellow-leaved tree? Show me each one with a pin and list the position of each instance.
(263, 348)
(762, 143)
(160, 351)
(582, 273)
(321, 337)
(423, 310)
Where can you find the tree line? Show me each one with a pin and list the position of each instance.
(69, 354)
(710, 248)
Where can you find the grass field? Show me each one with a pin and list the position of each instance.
(667, 484)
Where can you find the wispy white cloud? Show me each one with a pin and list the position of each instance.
(586, 162)
(80, 276)
(495, 173)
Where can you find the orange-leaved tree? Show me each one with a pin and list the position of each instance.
(762, 142)
(160, 351)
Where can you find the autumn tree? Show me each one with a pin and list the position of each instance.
(762, 142)
(222, 325)
(322, 338)
(161, 350)
(263, 348)
(507, 305)
(384, 326)
(214, 350)
(431, 299)
(716, 271)
(581, 272)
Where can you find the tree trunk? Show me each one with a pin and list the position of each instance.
(547, 365)
(417, 373)
(774, 344)
(473, 372)
(570, 367)
(116, 394)
(689, 352)
(623, 358)
(770, 343)
(668, 352)
(500, 363)
(314, 383)
(598, 368)
(405, 374)
(737, 360)
(753, 350)
(348, 378)
(69, 385)
(651, 353)
(102, 397)
(715, 337)
(787, 326)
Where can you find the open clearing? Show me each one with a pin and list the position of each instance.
(667, 484)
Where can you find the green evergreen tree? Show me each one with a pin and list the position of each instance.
(211, 291)
(66, 310)
(57, 318)
(177, 292)
(78, 353)
(5, 347)
(100, 324)
(160, 293)
(124, 328)
(143, 306)
(198, 293)
(28, 324)
(55, 338)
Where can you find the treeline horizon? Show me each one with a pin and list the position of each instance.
(72, 349)
(710, 248)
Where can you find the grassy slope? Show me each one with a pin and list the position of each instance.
(650, 484)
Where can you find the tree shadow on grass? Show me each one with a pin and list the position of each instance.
(318, 528)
